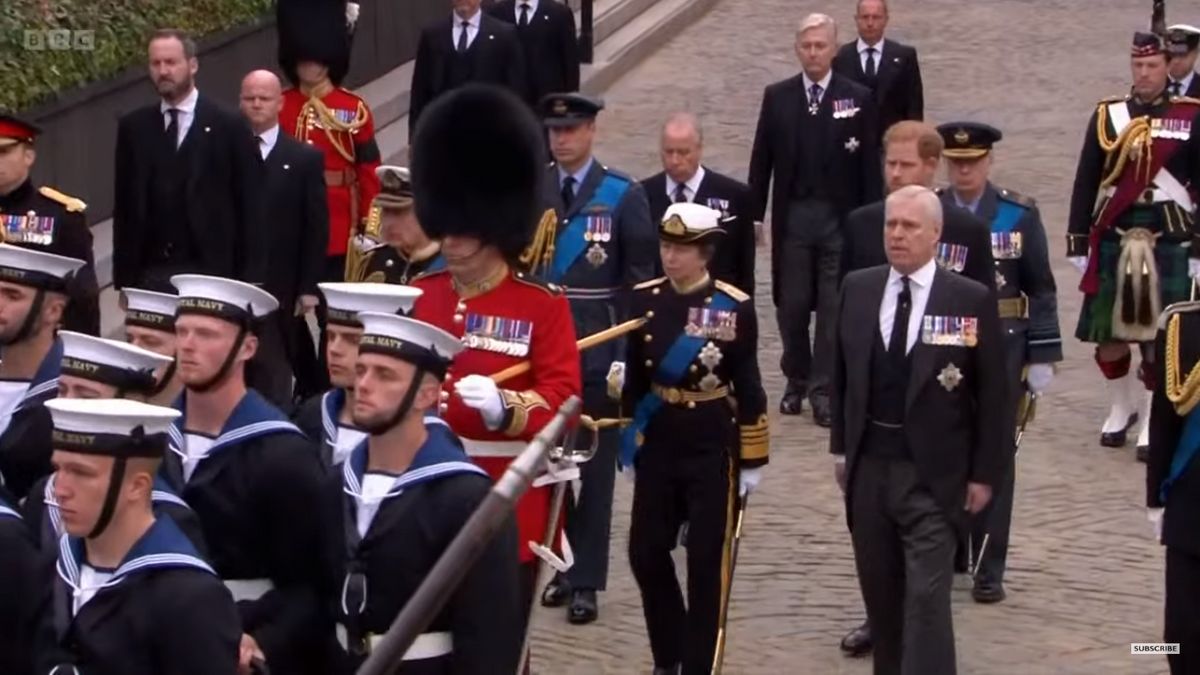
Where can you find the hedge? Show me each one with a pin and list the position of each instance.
(30, 75)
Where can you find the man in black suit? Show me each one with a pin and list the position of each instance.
(886, 67)
(817, 138)
(685, 179)
(1183, 44)
(292, 219)
(471, 47)
(546, 29)
(918, 411)
(184, 178)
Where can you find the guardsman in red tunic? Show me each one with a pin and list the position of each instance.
(477, 166)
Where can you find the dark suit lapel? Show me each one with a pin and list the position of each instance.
(869, 331)
(196, 142)
(585, 191)
(988, 203)
(922, 354)
(886, 69)
(825, 117)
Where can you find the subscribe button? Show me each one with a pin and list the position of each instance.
(1155, 648)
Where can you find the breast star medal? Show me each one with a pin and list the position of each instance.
(1001, 282)
(596, 255)
(950, 377)
(710, 356)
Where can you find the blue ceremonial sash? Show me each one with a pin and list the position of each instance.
(570, 242)
(1189, 445)
(670, 371)
(1008, 215)
(438, 264)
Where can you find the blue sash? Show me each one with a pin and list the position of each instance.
(1008, 215)
(670, 371)
(570, 242)
(438, 264)
(1189, 445)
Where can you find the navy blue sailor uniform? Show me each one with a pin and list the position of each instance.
(256, 490)
(25, 429)
(22, 593)
(388, 531)
(319, 418)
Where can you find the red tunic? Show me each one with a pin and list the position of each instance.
(351, 156)
(510, 313)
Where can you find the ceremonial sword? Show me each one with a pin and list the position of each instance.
(719, 654)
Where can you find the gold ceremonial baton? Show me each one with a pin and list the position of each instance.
(586, 343)
(719, 653)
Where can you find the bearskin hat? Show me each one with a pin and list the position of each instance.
(477, 162)
(313, 30)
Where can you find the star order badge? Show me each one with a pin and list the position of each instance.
(950, 377)
(852, 144)
(596, 255)
(1001, 282)
(710, 356)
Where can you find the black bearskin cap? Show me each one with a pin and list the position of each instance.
(313, 30)
(477, 163)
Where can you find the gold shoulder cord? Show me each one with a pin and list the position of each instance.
(539, 255)
(332, 125)
(1183, 394)
(1134, 142)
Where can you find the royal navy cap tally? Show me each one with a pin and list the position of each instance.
(395, 187)
(968, 140)
(223, 298)
(119, 364)
(27, 267)
(568, 110)
(688, 223)
(1146, 44)
(346, 300)
(149, 309)
(15, 130)
(110, 427)
(426, 346)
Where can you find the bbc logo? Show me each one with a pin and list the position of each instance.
(60, 40)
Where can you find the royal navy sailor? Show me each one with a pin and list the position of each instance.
(150, 324)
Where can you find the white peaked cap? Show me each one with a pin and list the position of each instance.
(118, 417)
(415, 333)
(138, 300)
(109, 353)
(17, 262)
(353, 298)
(237, 294)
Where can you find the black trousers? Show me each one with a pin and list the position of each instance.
(808, 282)
(1182, 620)
(668, 490)
(904, 551)
(589, 513)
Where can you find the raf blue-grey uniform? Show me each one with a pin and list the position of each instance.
(605, 243)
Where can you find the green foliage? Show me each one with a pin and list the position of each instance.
(29, 75)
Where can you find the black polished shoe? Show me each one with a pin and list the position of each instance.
(557, 592)
(858, 641)
(988, 592)
(821, 415)
(1117, 439)
(670, 670)
(583, 607)
(792, 403)
(1143, 453)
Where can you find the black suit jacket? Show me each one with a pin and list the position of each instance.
(220, 188)
(496, 58)
(862, 241)
(734, 259)
(550, 46)
(1182, 516)
(899, 93)
(850, 153)
(955, 435)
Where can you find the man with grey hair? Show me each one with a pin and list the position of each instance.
(816, 141)
(685, 179)
(917, 427)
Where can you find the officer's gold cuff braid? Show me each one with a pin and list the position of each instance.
(756, 440)
(1183, 392)
(517, 405)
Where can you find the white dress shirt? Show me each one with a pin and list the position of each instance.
(472, 28)
(808, 83)
(919, 283)
(862, 54)
(187, 114)
(267, 141)
(91, 580)
(690, 188)
(532, 10)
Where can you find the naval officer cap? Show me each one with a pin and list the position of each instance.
(234, 301)
(968, 140)
(569, 110)
(15, 130)
(425, 346)
(1182, 38)
(346, 300)
(119, 364)
(118, 428)
(35, 269)
(395, 187)
(149, 309)
(688, 223)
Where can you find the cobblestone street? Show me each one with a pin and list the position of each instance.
(1085, 576)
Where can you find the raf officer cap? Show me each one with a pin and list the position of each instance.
(968, 140)
(569, 110)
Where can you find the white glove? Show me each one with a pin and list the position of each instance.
(351, 14)
(1080, 262)
(629, 474)
(1194, 268)
(481, 393)
(1039, 377)
(1155, 516)
(748, 480)
(616, 380)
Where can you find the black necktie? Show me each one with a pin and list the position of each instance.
(814, 99)
(462, 37)
(172, 132)
(524, 20)
(258, 145)
(1176, 88)
(898, 344)
(680, 193)
(568, 191)
(870, 69)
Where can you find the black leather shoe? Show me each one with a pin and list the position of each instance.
(1116, 439)
(988, 592)
(858, 641)
(670, 670)
(1143, 453)
(792, 403)
(821, 415)
(583, 607)
(557, 592)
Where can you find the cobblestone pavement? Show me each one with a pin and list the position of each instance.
(1085, 576)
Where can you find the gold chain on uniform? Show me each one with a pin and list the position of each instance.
(331, 124)
(1134, 140)
(1183, 394)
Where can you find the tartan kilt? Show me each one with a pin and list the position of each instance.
(1171, 256)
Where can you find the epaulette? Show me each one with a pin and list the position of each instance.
(1177, 308)
(1119, 98)
(1017, 198)
(732, 291)
(939, 191)
(73, 204)
(1185, 99)
(537, 282)
(649, 284)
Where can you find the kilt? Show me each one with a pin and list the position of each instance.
(1170, 255)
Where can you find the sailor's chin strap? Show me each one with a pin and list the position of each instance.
(406, 404)
(165, 381)
(26, 329)
(218, 378)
